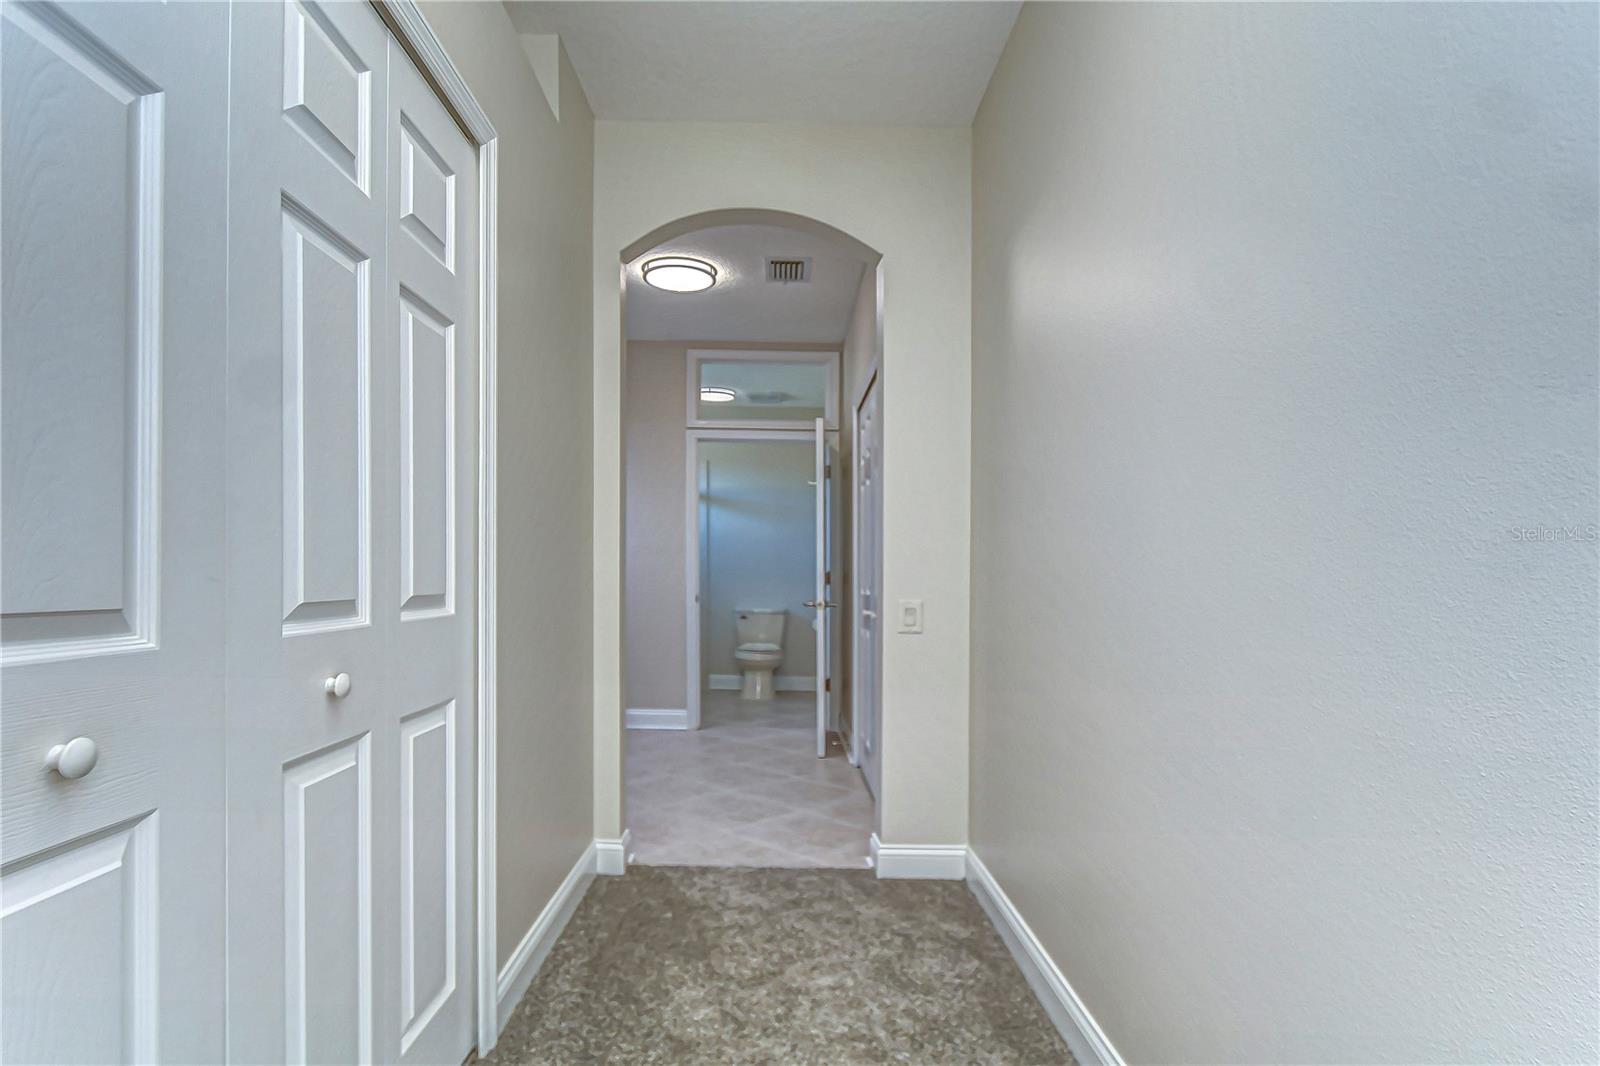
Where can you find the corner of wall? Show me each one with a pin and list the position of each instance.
(544, 56)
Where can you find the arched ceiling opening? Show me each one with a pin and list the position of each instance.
(745, 305)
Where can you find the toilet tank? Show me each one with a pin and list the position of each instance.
(759, 625)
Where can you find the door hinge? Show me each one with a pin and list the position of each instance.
(827, 577)
(827, 471)
(827, 684)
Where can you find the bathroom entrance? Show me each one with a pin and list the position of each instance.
(762, 576)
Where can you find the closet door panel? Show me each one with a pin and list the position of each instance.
(352, 459)
(432, 312)
(112, 316)
(311, 747)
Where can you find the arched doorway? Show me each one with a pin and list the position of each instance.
(726, 511)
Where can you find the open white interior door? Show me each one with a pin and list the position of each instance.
(823, 623)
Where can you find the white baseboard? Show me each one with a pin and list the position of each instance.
(656, 718)
(611, 856)
(541, 936)
(780, 682)
(919, 861)
(1087, 1041)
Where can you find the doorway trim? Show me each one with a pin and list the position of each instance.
(871, 379)
(691, 545)
(411, 29)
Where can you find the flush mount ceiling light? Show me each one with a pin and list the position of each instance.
(679, 273)
(717, 394)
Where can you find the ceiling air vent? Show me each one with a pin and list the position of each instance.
(787, 270)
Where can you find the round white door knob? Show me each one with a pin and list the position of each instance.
(337, 685)
(73, 759)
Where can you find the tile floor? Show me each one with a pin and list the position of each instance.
(745, 789)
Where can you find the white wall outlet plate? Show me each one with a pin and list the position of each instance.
(910, 618)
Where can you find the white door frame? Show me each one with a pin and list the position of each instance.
(821, 588)
(411, 29)
(691, 546)
(870, 379)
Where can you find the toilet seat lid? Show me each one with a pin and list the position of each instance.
(759, 646)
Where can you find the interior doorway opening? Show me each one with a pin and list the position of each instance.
(752, 567)
(742, 374)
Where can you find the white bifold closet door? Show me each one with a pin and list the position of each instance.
(351, 456)
(113, 177)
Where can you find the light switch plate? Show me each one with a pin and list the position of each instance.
(910, 616)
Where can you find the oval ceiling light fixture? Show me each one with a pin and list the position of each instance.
(717, 394)
(679, 273)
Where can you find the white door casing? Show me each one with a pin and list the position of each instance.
(819, 603)
(112, 324)
(352, 448)
(823, 603)
(866, 682)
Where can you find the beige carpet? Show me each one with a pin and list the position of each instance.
(689, 965)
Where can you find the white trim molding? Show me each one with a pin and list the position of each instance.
(405, 18)
(541, 936)
(488, 582)
(656, 718)
(923, 862)
(611, 856)
(780, 682)
(411, 29)
(1087, 1041)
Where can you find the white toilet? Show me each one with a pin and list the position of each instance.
(759, 632)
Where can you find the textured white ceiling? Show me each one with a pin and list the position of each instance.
(743, 305)
(891, 62)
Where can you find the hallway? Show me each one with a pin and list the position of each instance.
(746, 789)
(793, 966)
(979, 531)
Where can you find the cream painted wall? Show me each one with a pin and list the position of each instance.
(1284, 739)
(655, 670)
(906, 192)
(654, 621)
(544, 724)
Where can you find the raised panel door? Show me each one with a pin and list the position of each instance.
(113, 199)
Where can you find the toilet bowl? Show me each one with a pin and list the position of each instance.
(759, 651)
